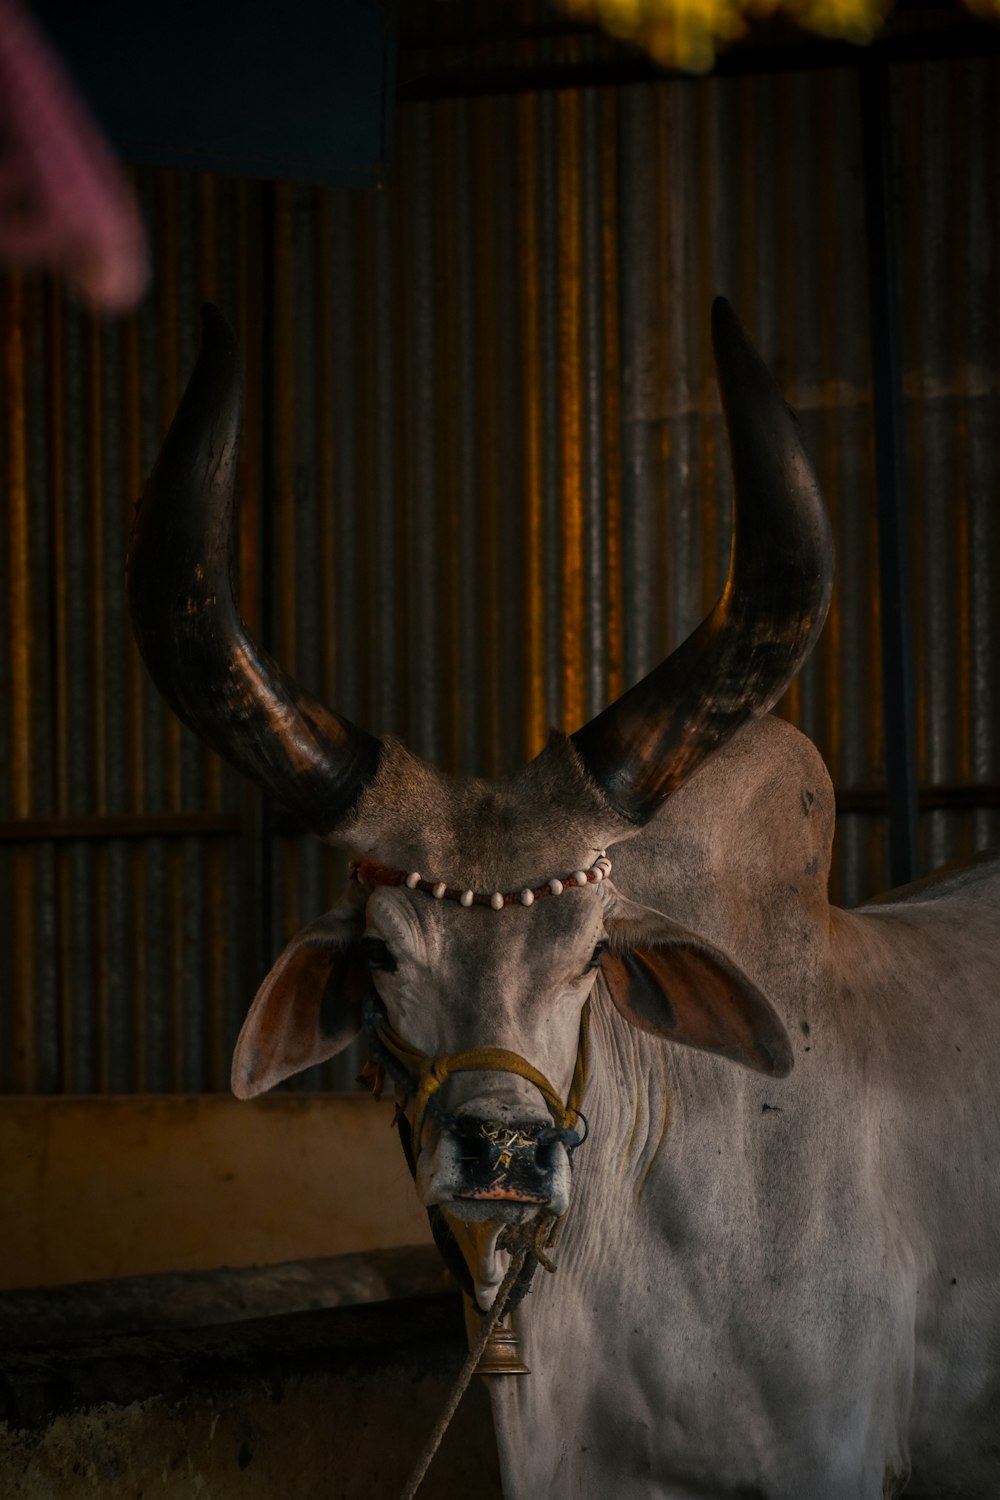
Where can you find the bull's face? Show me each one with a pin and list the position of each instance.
(430, 977)
(494, 999)
(454, 982)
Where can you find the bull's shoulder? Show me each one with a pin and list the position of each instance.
(979, 878)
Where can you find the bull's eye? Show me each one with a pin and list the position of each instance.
(376, 954)
(596, 956)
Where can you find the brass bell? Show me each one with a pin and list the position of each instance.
(502, 1355)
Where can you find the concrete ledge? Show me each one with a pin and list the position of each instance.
(59, 1316)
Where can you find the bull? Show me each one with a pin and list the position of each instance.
(773, 1282)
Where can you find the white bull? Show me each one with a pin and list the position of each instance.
(775, 1282)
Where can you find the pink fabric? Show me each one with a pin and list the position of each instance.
(64, 202)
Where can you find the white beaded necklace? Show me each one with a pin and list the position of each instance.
(369, 873)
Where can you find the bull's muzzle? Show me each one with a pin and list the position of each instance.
(497, 1161)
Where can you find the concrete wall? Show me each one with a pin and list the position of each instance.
(92, 1188)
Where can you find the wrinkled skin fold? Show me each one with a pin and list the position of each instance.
(778, 1242)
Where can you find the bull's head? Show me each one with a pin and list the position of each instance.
(480, 914)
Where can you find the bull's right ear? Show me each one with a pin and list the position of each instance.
(674, 984)
(308, 1008)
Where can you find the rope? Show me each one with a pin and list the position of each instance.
(467, 1371)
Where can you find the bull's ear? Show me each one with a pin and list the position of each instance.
(676, 986)
(308, 1008)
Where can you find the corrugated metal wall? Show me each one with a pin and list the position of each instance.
(949, 196)
(484, 487)
(121, 856)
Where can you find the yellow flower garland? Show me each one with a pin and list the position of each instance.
(686, 33)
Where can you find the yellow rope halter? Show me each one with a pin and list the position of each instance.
(434, 1072)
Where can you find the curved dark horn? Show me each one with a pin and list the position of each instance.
(185, 617)
(742, 657)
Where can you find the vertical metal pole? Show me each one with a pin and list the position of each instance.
(258, 809)
(890, 470)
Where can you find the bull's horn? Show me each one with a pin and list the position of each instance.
(742, 657)
(198, 649)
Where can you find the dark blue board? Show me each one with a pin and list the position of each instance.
(282, 89)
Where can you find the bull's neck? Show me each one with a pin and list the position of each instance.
(631, 1099)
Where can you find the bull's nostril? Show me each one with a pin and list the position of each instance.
(498, 1142)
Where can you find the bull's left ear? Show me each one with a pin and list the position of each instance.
(670, 982)
(308, 1008)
